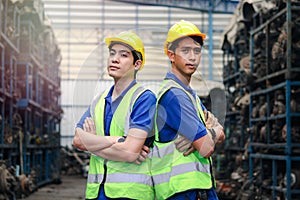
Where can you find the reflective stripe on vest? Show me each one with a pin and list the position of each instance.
(171, 171)
(121, 177)
(127, 180)
(180, 169)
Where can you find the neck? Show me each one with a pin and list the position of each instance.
(120, 86)
(185, 79)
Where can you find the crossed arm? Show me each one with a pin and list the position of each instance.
(206, 144)
(108, 147)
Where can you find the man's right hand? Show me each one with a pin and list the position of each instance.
(89, 126)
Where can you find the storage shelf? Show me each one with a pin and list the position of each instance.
(42, 146)
(288, 152)
(8, 146)
(281, 116)
(233, 113)
(235, 149)
(268, 147)
(270, 89)
(281, 189)
(275, 157)
(231, 77)
(23, 73)
(274, 145)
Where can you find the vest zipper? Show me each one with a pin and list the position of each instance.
(105, 160)
(211, 173)
(105, 172)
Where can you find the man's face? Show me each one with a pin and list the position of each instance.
(187, 56)
(120, 62)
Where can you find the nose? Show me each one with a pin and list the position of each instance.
(114, 58)
(192, 55)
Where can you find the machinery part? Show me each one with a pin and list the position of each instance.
(295, 179)
(295, 133)
(27, 184)
(8, 135)
(263, 133)
(8, 182)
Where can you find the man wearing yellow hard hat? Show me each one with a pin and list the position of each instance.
(185, 171)
(116, 127)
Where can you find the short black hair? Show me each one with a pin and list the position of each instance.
(175, 43)
(136, 55)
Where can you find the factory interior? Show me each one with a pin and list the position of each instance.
(53, 61)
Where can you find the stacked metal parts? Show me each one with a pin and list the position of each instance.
(30, 111)
(261, 74)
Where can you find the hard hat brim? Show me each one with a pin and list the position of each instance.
(203, 36)
(109, 41)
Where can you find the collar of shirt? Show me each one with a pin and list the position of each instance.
(118, 100)
(187, 88)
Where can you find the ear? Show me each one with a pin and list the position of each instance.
(171, 55)
(137, 65)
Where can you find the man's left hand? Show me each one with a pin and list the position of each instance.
(182, 144)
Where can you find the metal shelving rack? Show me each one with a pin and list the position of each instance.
(39, 104)
(274, 155)
(30, 110)
(9, 45)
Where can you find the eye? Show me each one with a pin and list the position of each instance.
(197, 50)
(124, 55)
(112, 53)
(185, 50)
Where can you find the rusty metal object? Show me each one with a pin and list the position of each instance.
(28, 183)
(9, 185)
(295, 133)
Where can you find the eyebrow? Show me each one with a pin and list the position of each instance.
(120, 51)
(184, 47)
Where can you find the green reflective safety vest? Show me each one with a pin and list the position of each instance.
(120, 179)
(171, 171)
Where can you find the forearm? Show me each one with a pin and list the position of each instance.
(127, 151)
(89, 142)
(205, 145)
(117, 152)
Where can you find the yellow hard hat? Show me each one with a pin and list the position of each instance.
(131, 39)
(182, 29)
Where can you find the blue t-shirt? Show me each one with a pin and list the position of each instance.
(178, 115)
(141, 117)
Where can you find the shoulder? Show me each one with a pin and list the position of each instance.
(175, 94)
(147, 97)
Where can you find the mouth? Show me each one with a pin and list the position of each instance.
(113, 67)
(191, 66)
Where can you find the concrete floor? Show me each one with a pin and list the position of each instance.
(71, 188)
